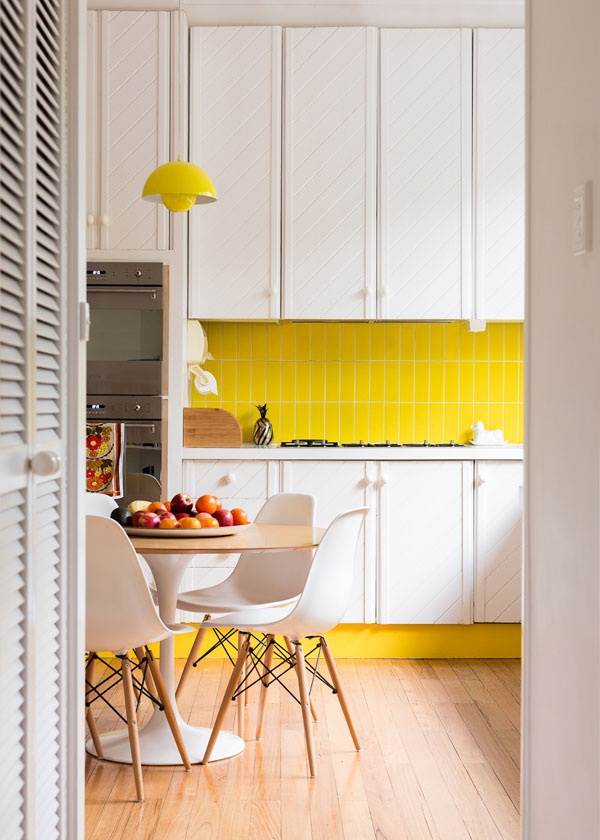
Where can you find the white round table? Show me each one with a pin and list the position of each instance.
(168, 558)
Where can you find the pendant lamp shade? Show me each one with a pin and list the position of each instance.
(179, 185)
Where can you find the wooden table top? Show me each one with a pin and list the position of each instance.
(254, 538)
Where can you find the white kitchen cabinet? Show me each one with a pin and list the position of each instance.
(425, 173)
(329, 172)
(339, 486)
(426, 536)
(498, 540)
(499, 111)
(128, 128)
(235, 134)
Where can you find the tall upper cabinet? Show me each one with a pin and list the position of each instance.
(329, 180)
(425, 173)
(499, 173)
(128, 127)
(235, 134)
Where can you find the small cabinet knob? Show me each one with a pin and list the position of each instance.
(91, 219)
(45, 463)
(229, 478)
(137, 407)
(383, 480)
(366, 293)
(383, 290)
(479, 481)
(104, 220)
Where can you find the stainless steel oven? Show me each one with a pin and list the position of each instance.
(125, 362)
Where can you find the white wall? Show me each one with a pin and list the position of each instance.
(562, 777)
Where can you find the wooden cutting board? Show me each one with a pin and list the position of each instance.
(210, 427)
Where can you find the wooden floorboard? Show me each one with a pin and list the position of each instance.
(439, 760)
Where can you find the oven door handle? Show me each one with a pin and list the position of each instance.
(151, 426)
(137, 290)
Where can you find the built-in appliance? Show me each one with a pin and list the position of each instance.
(125, 357)
(318, 442)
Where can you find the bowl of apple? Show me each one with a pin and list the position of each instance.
(181, 517)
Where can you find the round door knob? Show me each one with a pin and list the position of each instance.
(479, 481)
(366, 293)
(137, 407)
(383, 291)
(229, 478)
(383, 480)
(104, 220)
(91, 220)
(45, 463)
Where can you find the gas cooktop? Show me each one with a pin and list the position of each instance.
(320, 442)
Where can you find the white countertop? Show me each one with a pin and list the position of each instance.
(248, 452)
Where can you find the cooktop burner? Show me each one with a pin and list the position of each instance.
(319, 442)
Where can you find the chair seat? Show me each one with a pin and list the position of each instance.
(225, 597)
(261, 618)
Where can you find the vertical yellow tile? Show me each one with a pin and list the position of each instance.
(481, 343)
(422, 431)
(496, 338)
(376, 422)
(392, 382)
(391, 348)
(422, 335)
(287, 341)
(347, 381)
(421, 381)
(466, 378)
(482, 390)
(452, 333)
(436, 382)
(436, 339)
(332, 421)
(482, 412)
(302, 334)
(363, 381)
(377, 383)
(496, 416)
(378, 342)
(451, 393)
(407, 382)
(244, 341)
(244, 377)
(275, 415)
(363, 341)
(467, 415)
(512, 377)
(288, 382)
(407, 342)
(513, 342)
(317, 382)
(273, 342)
(496, 375)
(273, 371)
(259, 383)
(466, 345)
(391, 422)
(302, 382)
(452, 429)
(362, 421)
(316, 427)
(227, 381)
(333, 342)
(347, 424)
(347, 342)
(332, 382)
(302, 420)
(407, 424)
(437, 423)
(317, 342)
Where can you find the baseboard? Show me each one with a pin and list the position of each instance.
(407, 641)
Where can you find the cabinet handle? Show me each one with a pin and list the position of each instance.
(91, 219)
(382, 481)
(479, 481)
(366, 293)
(383, 291)
(104, 221)
(367, 481)
(45, 463)
(229, 478)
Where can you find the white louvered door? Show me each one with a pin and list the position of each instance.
(499, 64)
(39, 435)
(425, 174)
(329, 166)
(235, 134)
(498, 540)
(128, 127)
(426, 559)
(339, 486)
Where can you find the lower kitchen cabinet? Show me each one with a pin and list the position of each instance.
(425, 542)
(498, 540)
(339, 486)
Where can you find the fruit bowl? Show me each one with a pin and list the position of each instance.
(183, 533)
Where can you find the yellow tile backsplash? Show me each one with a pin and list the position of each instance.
(347, 381)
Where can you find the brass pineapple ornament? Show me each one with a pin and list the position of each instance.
(263, 430)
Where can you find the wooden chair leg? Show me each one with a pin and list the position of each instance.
(335, 679)
(263, 686)
(89, 717)
(313, 708)
(132, 726)
(169, 713)
(139, 652)
(244, 641)
(189, 662)
(301, 674)
(241, 698)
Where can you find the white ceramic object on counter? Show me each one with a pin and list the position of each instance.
(486, 437)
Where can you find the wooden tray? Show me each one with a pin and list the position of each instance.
(206, 427)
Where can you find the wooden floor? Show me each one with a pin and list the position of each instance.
(440, 761)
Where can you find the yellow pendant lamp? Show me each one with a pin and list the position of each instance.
(179, 185)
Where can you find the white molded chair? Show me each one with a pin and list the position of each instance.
(98, 504)
(322, 604)
(121, 616)
(272, 578)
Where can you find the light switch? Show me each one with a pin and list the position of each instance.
(582, 219)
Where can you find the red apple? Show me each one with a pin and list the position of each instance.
(164, 514)
(224, 517)
(182, 503)
(182, 515)
(147, 520)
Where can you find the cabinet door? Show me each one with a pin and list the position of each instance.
(498, 540)
(499, 174)
(92, 131)
(235, 134)
(426, 565)
(134, 127)
(425, 166)
(339, 486)
(330, 113)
